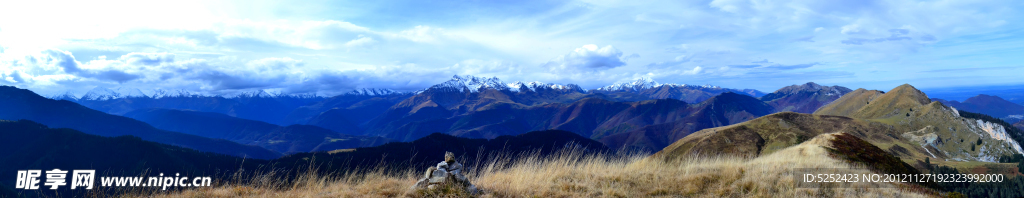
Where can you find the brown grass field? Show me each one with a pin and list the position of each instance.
(572, 174)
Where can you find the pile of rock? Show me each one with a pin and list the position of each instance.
(447, 172)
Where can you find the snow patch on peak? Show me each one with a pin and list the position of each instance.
(709, 86)
(833, 92)
(811, 86)
(814, 87)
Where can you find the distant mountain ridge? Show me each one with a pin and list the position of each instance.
(457, 83)
(257, 105)
(475, 84)
(490, 113)
(623, 115)
(283, 139)
(989, 105)
(30, 145)
(18, 104)
(804, 98)
(641, 84)
(100, 93)
(648, 89)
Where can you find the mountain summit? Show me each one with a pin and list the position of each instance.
(100, 93)
(474, 84)
(902, 122)
(67, 95)
(942, 131)
(988, 105)
(804, 98)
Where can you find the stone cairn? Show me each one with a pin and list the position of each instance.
(447, 172)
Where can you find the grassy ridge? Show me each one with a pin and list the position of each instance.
(576, 174)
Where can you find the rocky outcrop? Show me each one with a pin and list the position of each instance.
(447, 173)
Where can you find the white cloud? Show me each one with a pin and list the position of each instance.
(361, 41)
(587, 58)
(150, 59)
(423, 34)
(297, 45)
(499, 68)
(733, 6)
(696, 70)
(851, 29)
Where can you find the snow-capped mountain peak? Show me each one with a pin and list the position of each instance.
(160, 93)
(635, 85)
(371, 92)
(471, 83)
(641, 84)
(67, 95)
(475, 84)
(533, 86)
(101, 93)
(257, 94)
(709, 86)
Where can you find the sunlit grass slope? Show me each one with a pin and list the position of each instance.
(573, 174)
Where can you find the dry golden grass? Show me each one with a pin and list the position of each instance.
(571, 174)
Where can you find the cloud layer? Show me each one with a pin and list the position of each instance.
(333, 47)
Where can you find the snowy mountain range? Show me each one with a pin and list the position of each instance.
(475, 84)
(100, 93)
(371, 92)
(642, 84)
(160, 93)
(455, 84)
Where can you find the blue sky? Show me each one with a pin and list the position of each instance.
(329, 47)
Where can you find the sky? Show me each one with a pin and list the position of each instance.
(331, 47)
